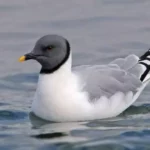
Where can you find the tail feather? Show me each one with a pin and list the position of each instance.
(138, 66)
(145, 61)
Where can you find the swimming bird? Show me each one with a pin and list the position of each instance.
(87, 92)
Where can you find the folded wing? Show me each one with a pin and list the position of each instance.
(121, 75)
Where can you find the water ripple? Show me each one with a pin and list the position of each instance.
(12, 115)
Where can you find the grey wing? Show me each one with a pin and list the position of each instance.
(105, 80)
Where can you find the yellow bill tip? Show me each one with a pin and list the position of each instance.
(22, 58)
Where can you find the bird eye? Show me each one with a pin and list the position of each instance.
(49, 47)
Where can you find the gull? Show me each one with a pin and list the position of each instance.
(87, 92)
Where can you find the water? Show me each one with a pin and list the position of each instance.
(99, 31)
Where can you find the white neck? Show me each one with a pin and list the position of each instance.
(49, 83)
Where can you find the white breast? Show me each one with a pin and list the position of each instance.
(59, 97)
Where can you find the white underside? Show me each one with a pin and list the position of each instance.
(59, 97)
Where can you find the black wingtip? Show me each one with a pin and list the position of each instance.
(143, 57)
(143, 62)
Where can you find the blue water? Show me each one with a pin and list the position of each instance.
(99, 31)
